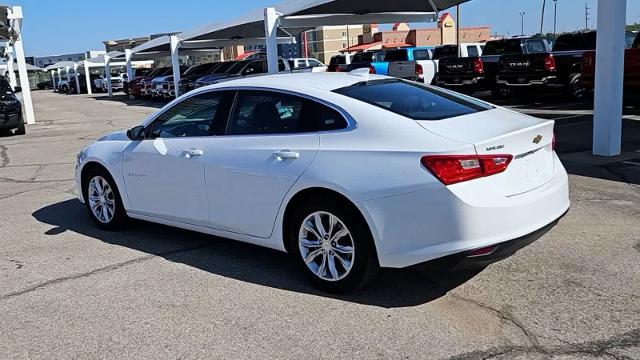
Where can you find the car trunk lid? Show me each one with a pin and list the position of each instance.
(498, 131)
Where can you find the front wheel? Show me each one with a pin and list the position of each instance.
(20, 130)
(103, 200)
(333, 244)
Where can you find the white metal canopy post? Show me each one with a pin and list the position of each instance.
(15, 15)
(10, 59)
(66, 71)
(53, 79)
(107, 75)
(607, 120)
(175, 62)
(75, 70)
(87, 78)
(127, 59)
(271, 35)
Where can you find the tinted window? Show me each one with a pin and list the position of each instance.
(191, 117)
(338, 60)
(315, 63)
(503, 47)
(255, 67)
(224, 67)
(579, 41)
(396, 55)
(362, 57)
(447, 51)
(421, 54)
(412, 100)
(473, 51)
(633, 40)
(264, 112)
(237, 67)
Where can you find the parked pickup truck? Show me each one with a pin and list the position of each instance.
(559, 69)
(631, 65)
(479, 73)
(374, 60)
(414, 63)
(452, 52)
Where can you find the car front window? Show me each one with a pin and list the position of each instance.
(189, 118)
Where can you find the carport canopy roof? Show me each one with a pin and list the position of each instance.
(60, 65)
(301, 15)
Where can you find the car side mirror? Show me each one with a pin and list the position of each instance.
(136, 133)
(17, 89)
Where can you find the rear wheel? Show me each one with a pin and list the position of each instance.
(20, 130)
(578, 91)
(333, 245)
(103, 200)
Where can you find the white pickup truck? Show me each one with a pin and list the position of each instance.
(421, 64)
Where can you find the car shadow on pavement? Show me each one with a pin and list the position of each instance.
(244, 262)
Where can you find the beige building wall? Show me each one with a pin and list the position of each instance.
(327, 41)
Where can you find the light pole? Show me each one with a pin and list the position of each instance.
(522, 14)
(555, 17)
(544, 5)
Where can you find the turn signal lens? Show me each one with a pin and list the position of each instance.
(372, 70)
(452, 169)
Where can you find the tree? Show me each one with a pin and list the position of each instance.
(633, 27)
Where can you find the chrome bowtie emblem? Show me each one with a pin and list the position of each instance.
(537, 139)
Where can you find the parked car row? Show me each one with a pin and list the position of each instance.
(159, 83)
(505, 66)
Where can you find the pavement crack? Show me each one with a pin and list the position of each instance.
(100, 271)
(4, 156)
(30, 181)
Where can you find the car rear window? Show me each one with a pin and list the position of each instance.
(578, 41)
(412, 100)
(422, 54)
(396, 55)
(446, 51)
(338, 60)
(503, 47)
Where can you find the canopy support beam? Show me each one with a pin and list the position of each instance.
(609, 82)
(75, 70)
(107, 75)
(15, 14)
(53, 80)
(87, 77)
(271, 35)
(175, 62)
(127, 59)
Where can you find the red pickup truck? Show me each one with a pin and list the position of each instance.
(631, 66)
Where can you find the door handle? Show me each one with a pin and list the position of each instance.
(192, 153)
(286, 155)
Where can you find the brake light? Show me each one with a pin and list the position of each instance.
(478, 66)
(452, 169)
(419, 70)
(338, 69)
(372, 70)
(549, 63)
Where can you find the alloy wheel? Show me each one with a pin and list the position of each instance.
(326, 246)
(101, 199)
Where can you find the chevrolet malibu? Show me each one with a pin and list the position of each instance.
(347, 172)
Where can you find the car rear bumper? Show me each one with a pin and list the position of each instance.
(483, 257)
(547, 81)
(414, 228)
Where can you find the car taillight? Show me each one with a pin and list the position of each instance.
(549, 63)
(338, 69)
(452, 169)
(478, 66)
(419, 70)
(372, 70)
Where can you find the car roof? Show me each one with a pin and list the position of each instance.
(326, 81)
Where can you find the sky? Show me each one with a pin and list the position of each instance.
(73, 26)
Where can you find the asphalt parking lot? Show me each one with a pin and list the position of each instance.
(69, 290)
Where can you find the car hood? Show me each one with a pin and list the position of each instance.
(211, 78)
(115, 136)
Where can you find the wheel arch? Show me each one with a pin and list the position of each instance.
(308, 193)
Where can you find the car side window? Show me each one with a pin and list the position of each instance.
(268, 112)
(189, 118)
(256, 67)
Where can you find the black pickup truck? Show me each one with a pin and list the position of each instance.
(559, 69)
(479, 73)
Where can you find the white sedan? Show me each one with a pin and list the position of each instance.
(348, 172)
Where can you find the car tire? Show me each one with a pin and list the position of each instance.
(103, 200)
(578, 91)
(345, 258)
(21, 130)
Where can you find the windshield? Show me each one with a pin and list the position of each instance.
(237, 67)
(412, 100)
(223, 67)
